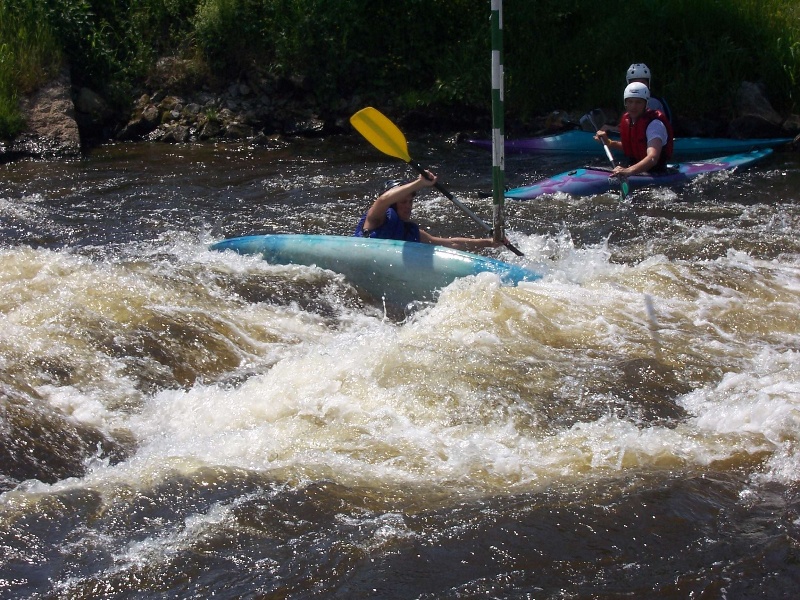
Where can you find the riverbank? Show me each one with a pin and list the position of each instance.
(179, 106)
(138, 61)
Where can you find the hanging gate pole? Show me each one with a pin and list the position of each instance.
(498, 128)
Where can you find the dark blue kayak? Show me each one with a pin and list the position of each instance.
(581, 142)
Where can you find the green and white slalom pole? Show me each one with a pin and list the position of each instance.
(498, 128)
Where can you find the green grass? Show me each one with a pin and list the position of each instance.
(430, 54)
(29, 56)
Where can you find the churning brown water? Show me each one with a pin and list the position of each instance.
(176, 422)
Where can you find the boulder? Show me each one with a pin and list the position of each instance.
(210, 130)
(792, 125)
(755, 115)
(95, 118)
(51, 125)
(754, 126)
(175, 134)
(142, 122)
(309, 127)
(238, 131)
(751, 100)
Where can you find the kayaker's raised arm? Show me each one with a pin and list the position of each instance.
(389, 217)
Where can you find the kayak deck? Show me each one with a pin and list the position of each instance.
(588, 181)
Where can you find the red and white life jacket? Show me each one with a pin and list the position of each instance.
(634, 137)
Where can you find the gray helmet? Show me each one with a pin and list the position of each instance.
(638, 71)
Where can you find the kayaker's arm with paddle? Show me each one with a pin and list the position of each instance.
(390, 217)
(650, 160)
(386, 137)
(459, 243)
(645, 134)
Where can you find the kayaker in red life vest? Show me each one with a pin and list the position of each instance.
(645, 135)
(640, 73)
(389, 217)
(636, 73)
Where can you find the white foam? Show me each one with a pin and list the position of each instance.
(757, 409)
(450, 399)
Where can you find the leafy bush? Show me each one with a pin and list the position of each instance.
(559, 54)
(29, 55)
(229, 34)
(111, 44)
(568, 54)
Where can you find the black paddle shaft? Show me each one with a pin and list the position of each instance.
(464, 208)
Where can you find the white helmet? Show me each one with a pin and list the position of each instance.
(636, 90)
(638, 71)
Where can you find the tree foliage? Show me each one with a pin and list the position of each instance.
(559, 54)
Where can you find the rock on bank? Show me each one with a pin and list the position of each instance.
(61, 119)
(179, 105)
(51, 125)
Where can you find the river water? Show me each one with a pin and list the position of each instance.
(183, 423)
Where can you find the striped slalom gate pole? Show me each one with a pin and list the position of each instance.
(498, 128)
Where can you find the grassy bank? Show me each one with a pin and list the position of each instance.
(29, 55)
(559, 54)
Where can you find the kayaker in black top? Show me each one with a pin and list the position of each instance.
(389, 217)
(646, 135)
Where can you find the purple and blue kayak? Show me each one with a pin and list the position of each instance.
(597, 180)
(579, 142)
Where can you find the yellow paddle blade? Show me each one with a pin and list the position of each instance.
(381, 132)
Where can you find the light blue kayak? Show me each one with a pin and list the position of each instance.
(582, 143)
(398, 271)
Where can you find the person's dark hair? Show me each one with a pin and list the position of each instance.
(393, 183)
